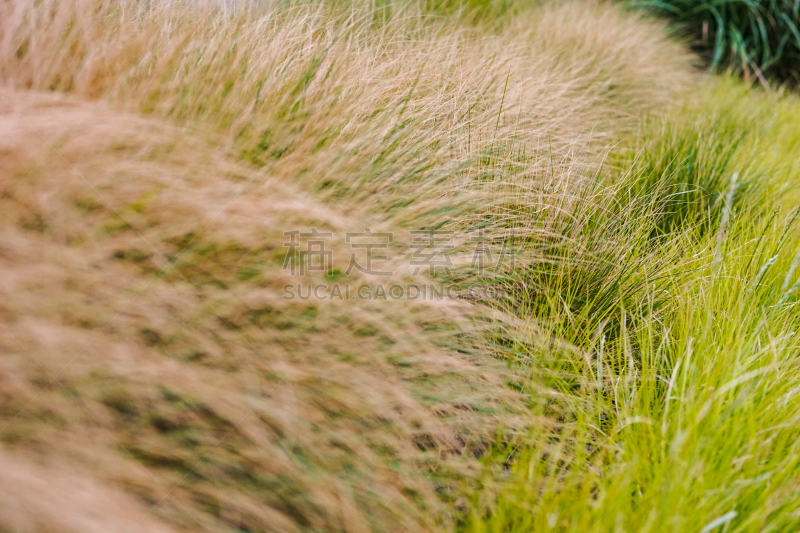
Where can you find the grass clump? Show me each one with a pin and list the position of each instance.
(758, 38)
(664, 408)
(657, 418)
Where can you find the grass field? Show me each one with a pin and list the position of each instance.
(633, 369)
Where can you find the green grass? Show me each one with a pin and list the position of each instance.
(669, 368)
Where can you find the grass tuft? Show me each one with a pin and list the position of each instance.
(757, 38)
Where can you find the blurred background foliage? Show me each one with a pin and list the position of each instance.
(757, 38)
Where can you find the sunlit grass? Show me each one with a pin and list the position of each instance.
(676, 409)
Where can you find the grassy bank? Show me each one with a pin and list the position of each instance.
(634, 372)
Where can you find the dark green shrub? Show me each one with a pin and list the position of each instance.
(758, 38)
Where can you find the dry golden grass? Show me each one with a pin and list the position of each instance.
(142, 217)
(149, 346)
(374, 104)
